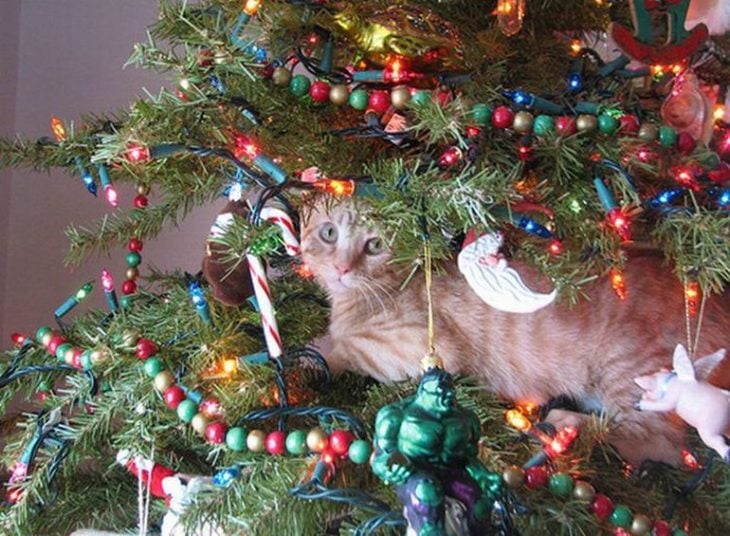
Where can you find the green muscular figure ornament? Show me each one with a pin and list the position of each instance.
(427, 446)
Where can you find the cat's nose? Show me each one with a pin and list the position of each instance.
(342, 269)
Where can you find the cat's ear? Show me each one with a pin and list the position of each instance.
(647, 382)
(683, 364)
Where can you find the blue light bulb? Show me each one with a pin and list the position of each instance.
(575, 81)
(520, 97)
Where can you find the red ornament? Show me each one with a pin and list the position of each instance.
(54, 343)
(129, 287)
(137, 153)
(601, 507)
(268, 71)
(275, 443)
(340, 441)
(149, 472)
(145, 348)
(686, 143)
(319, 91)
(629, 125)
(76, 359)
(216, 433)
(135, 244)
(502, 117)
(565, 125)
(173, 396)
(140, 201)
(662, 528)
(536, 477)
(379, 101)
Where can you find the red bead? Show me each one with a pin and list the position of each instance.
(319, 91)
(340, 441)
(145, 348)
(443, 97)
(601, 506)
(662, 528)
(268, 71)
(565, 126)
(216, 433)
(629, 124)
(686, 143)
(54, 343)
(140, 201)
(379, 101)
(275, 443)
(502, 117)
(536, 477)
(129, 287)
(135, 244)
(76, 358)
(173, 396)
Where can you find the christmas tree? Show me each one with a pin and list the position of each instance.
(577, 130)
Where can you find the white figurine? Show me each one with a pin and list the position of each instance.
(698, 403)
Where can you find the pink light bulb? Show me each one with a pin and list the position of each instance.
(111, 196)
(107, 281)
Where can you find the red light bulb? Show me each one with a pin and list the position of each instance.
(18, 338)
(245, 146)
(620, 222)
(555, 247)
(562, 441)
(450, 157)
(138, 153)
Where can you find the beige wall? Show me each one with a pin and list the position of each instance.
(65, 57)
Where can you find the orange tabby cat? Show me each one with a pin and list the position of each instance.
(591, 352)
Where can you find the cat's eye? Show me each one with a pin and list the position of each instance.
(374, 246)
(328, 233)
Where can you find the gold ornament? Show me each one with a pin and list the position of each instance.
(399, 97)
(641, 525)
(586, 123)
(164, 380)
(339, 94)
(281, 76)
(647, 132)
(317, 440)
(513, 476)
(199, 423)
(132, 273)
(256, 441)
(143, 189)
(583, 491)
(523, 122)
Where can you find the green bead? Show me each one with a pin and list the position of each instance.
(42, 332)
(126, 300)
(621, 516)
(105, 386)
(543, 124)
(359, 451)
(236, 439)
(61, 351)
(423, 97)
(299, 85)
(667, 137)
(607, 124)
(296, 442)
(481, 114)
(561, 484)
(153, 366)
(133, 259)
(86, 360)
(358, 99)
(679, 532)
(187, 410)
(44, 386)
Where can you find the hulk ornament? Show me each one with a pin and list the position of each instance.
(427, 446)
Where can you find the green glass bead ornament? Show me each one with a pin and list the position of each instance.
(667, 137)
(358, 99)
(543, 125)
(481, 114)
(236, 439)
(187, 410)
(86, 361)
(61, 351)
(45, 386)
(422, 97)
(133, 259)
(296, 442)
(359, 451)
(561, 484)
(621, 516)
(153, 366)
(41, 333)
(607, 124)
(299, 85)
(126, 300)
(679, 532)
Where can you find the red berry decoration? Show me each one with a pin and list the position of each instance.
(135, 244)
(145, 348)
(502, 117)
(536, 477)
(216, 433)
(340, 441)
(173, 396)
(141, 201)
(602, 506)
(319, 91)
(686, 143)
(129, 287)
(276, 443)
(54, 343)
(662, 528)
(629, 125)
(565, 126)
(379, 101)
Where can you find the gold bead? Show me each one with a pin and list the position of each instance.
(647, 132)
(130, 337)
(586, 123)
(97, 356)
(164, 380)
(132, 273)
(46, 339)
(256, 441)
(399, 97)
(143, 189)
(221, 56)
(513, 476)
(281, 76)
(522, 122)
(641, 525)
(199, 423)
(339, 94)
(68, 356)
(583, 491)
(317, 440)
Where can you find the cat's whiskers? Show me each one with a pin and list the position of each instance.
(384, 289)
(369, 290)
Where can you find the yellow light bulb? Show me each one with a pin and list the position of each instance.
(59, 131)
(230, 366)
(251, 7)
(516, 419)
(718, 114)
